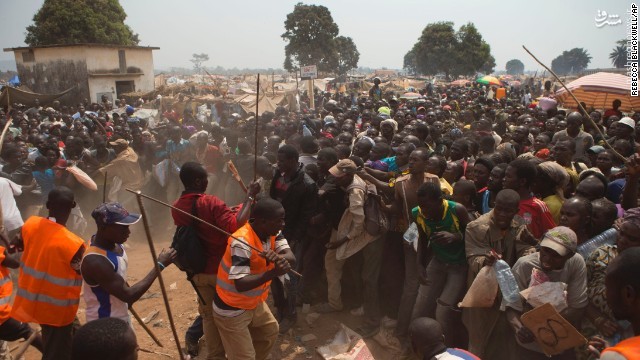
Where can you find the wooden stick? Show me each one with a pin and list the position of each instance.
(104, 189)
(579, 104)
(144, 326)
(255, 155)
(4, 132)
(145, 221)
(138, 193)
(236, 175)
(155, 352)
(26, 345)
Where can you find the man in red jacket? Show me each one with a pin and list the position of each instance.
(213, 210)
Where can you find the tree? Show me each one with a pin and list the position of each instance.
(440, 49)
(514, 67)
(411, 61)
(619, 54)
(572, 61)
(472, 52)
(489, 66)
(348, 54)
(197, 61)
(313, 39)
(80, 21)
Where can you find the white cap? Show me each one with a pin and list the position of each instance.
(627, 121)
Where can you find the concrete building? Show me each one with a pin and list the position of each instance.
(94, 69)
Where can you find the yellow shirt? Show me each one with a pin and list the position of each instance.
(446, 188)
(554, 203)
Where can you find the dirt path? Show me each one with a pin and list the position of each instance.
(184, 307)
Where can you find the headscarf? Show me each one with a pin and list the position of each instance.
(384, 110)
(558, 174)
(393, 123)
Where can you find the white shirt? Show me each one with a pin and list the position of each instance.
(10, 213)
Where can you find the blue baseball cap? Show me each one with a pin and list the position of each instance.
(114, 213)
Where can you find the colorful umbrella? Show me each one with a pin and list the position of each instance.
(461, 82)
(489, 80)
(515, 83)
(598, 91)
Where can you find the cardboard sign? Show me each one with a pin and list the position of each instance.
(553, 333)
(308, 72)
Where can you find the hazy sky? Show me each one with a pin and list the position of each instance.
(247, 33)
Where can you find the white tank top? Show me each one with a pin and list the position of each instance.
(101, 304)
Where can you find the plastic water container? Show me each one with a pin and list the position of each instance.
(607, 237)
(506, 280)
(306, 131)
(411, 235)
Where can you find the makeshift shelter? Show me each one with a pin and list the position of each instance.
(13, 95)
(267, 102)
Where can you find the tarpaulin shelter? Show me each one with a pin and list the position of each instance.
(267, 103)
(12, 95)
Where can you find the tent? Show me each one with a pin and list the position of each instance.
(267, 102)
(12, 95)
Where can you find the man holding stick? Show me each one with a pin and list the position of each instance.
(213, 210)
(247, 327)
(104, 265)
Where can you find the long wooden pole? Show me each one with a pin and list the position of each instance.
(144, 326)
(26, 344)
(255, 155)
(584, 111)
(104, 187)
(4, 131)
(139, 194)
(236, 175)
(145, 221)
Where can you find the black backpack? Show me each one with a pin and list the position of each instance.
(190, 253)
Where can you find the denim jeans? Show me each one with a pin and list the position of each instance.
(446, 286)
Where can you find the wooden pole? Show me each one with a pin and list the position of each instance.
(236, 175)
(145, 221)
(26, 344)
(4, 132)
(144, 326)
(312, 97)
(577, 102)
(104, 188)
(255, 148)
(139, 194)
(155, 352)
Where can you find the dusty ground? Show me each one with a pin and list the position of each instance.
(182, 298)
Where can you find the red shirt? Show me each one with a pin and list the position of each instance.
(214, 211)
(537, 216)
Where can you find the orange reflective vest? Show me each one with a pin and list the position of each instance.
(226, 288)
(48, 288)
(629, 348)
(6, 288)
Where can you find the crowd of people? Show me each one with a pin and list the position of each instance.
(388, 207)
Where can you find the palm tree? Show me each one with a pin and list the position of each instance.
(619, 56)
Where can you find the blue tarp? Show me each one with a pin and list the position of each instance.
(15, 81)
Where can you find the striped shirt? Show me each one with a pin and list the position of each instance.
(241, 254)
